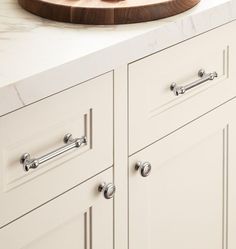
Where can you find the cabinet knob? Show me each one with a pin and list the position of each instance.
(108, 190)
(144, 168)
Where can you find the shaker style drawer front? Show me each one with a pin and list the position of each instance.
(182, 189)
(53, 145)
(173, 87)
(80, 218)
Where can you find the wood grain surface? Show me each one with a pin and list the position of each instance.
(105, 12)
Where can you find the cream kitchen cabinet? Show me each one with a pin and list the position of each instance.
(80, 218)
(84, 111)
(182, 137)
(150, 164)
(182, 189)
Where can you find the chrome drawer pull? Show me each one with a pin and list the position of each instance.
(71, 143)
(204, 77)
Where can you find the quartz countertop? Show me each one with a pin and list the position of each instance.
(39, 57)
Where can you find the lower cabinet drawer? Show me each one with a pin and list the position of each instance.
(55, 164)
(188, 199)
(80, 218)
(155, 110)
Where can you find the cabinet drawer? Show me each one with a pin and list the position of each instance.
(80, 218)
(155, 110)
(39, 129)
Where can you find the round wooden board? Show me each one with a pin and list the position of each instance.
(106, 12)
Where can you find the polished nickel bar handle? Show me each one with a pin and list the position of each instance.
(71, 143)
(204, 77)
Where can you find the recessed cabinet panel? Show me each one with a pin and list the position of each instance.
(155, 109)
(79, 219)
(188, 199)
(85, 111)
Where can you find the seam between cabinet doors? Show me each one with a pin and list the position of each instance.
(45, 203)
(193, 120)
(225, 187)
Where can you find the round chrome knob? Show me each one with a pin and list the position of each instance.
(144, 168)
(108, 190)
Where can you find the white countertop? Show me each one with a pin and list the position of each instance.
(39, 57)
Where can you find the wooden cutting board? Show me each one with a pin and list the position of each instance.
(106, 11)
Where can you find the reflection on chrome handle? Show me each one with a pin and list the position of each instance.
(204, 77)
(107, 189)
(71, 143)
(144, 168)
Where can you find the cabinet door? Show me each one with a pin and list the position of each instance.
(188, 201)
(79, 219)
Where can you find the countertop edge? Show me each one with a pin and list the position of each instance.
(44, 84)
